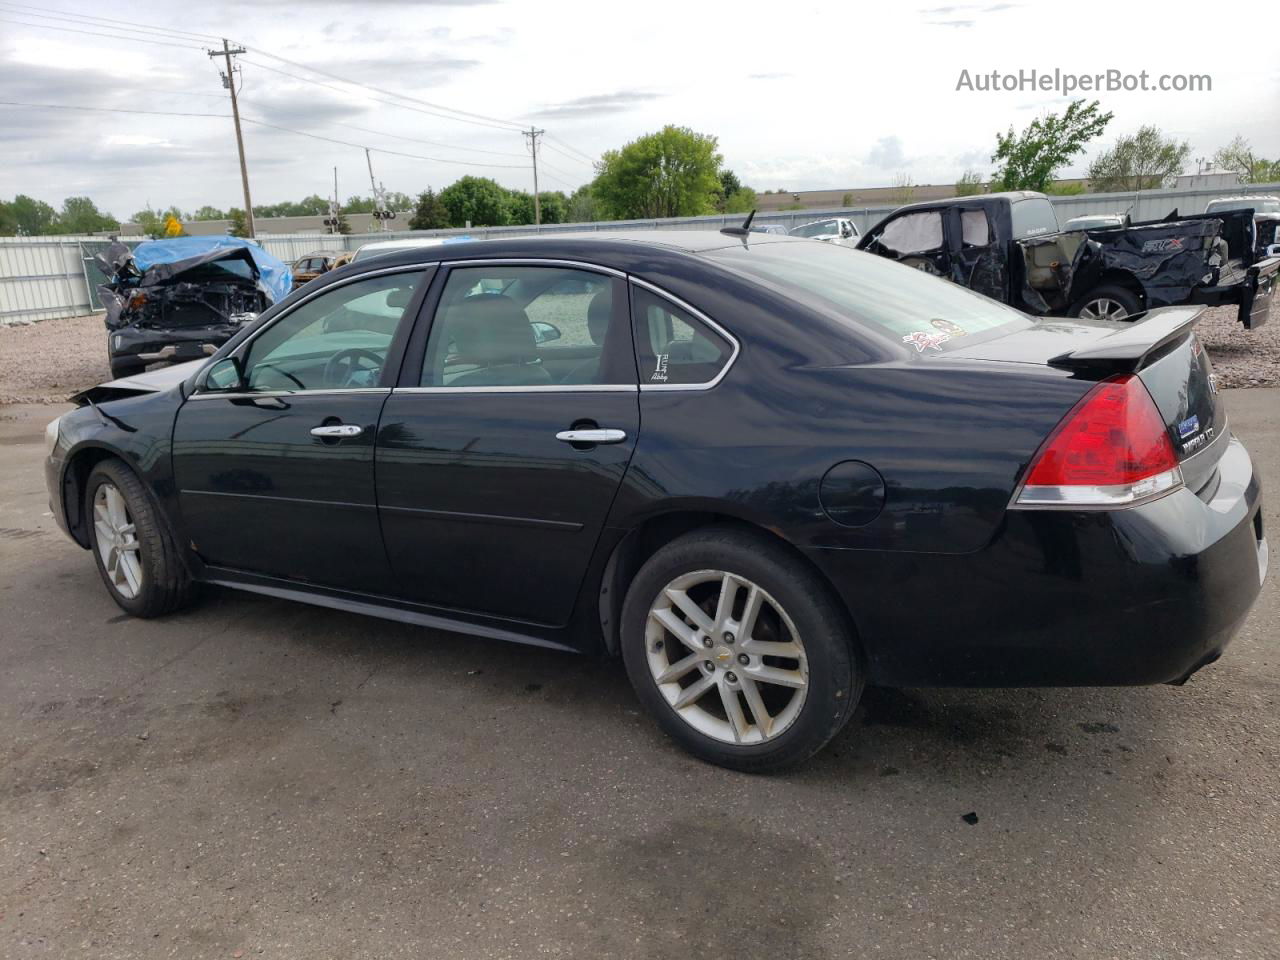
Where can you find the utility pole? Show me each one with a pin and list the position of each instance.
(229, 81)
(533, 134)
(381, 210)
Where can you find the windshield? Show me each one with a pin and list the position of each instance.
(821, 228)
(869, 291)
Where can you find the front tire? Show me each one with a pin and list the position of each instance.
(738, 651)
(135, 554)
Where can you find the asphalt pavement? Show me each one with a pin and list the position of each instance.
(255, 777)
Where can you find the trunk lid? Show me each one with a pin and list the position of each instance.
(1160, 347)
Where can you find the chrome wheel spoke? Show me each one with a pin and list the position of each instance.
(777, 676)
(689, 609)
(759, 715)
(677, 627)
(692, 693)
(728, 594)
(765, 648)
(733, 710)
(133, 546)
(750, 612)
(679, 668)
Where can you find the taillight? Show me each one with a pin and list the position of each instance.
(1111, 450)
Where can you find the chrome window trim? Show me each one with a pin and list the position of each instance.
(250, 394)
(702, 317)
(347, 281)
(535, 262)
(534, 388)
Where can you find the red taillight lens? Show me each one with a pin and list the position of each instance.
(1113, 439)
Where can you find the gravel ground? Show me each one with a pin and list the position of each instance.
(44, 362)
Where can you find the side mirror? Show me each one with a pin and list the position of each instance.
(1273, 250)
(226, 374)
(544, 332)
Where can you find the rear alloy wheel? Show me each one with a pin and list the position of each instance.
(738, 651)
(133, 549)
(1107, 303)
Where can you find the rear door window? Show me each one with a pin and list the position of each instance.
(974, 229)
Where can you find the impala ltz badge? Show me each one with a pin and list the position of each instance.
(923, 341)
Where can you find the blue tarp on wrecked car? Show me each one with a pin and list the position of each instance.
(274, 275)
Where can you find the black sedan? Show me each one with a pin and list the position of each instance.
(765, 472)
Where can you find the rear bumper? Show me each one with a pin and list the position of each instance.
(1141, 595)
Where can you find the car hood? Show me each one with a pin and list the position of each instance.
(153, 381)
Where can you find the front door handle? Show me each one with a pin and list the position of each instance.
(591, 436)
(338, 430)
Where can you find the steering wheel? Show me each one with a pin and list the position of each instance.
(284, 373)
(341, 367)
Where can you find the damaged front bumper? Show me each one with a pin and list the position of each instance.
(154, 345)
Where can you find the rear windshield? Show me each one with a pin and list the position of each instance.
(1033, 217)
(821, 228)
(899, 302)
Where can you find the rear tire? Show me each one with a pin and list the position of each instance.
(136, 555)
(758, 682)
(1108, 302)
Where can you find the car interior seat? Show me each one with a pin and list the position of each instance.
(599, 310)
(494, 344)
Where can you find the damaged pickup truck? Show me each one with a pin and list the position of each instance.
(168, 301)
(1009, 246)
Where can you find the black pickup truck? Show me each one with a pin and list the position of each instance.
(1010, 247)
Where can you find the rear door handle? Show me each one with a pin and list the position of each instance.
(591, 436)
(338, 430)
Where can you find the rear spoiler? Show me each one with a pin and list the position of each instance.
(1130, 346)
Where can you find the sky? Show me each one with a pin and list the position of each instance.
(801, 94)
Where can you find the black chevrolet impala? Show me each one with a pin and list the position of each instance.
(763, 471)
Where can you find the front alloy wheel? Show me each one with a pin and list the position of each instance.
(116, 537)
(726, 657)
(1103, 308)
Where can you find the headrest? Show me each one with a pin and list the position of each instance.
(598, 313)
(490, 329)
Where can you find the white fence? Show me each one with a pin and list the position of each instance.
(45, 277)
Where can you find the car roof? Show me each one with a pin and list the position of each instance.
(1013, 196)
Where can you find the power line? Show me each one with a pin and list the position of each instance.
(13, 10)
(572, 149)
(76, 16)
(262, 123)
(547, 166)
(463, 116)
(109, 36)
(568, 156)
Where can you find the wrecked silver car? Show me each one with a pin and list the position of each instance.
(180, 299)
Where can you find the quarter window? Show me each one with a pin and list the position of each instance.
(338, 340)
(673, 347)
(529, 326)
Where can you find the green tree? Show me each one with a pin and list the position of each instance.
(81, 215)
(358, 205)
(1029, 160)
(149, 222)
(208, 213)
(239, 225)
(1144, 161)
(554, 206)
(8, 222)
(969, 184)
(429, 213)
(742, 200)
(582, 206)
(478, 200)
(1238, 156)
(33, 217)
(671, 173)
